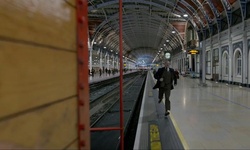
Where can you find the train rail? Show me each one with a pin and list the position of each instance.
(106, 114)
(101, 105)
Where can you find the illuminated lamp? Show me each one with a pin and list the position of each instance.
(193, 51)
(167, 55)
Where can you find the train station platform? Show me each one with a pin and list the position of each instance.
(214, 116)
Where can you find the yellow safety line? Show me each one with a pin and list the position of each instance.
(183, 141)
(155, 142)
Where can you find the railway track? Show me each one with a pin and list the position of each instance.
(106, 113)
(101, 105)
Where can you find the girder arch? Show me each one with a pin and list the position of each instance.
(154, 21)
(157, 18)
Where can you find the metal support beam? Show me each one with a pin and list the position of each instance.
(83, 81)
(121, 128)
(243, 8)
(228, 8)
(121, 78)
(219, 24)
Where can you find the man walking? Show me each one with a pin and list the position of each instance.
(165, 77)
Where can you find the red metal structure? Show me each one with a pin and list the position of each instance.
(121, 128)
(121, 77)
(83, 84)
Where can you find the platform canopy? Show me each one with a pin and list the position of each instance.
(153, 26)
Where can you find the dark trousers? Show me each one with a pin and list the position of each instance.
(167, 92)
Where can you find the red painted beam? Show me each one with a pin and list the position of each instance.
(83, 78)
(121, 78)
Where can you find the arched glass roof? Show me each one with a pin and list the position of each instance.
(147, 24)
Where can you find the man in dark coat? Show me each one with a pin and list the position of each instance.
(165, 78)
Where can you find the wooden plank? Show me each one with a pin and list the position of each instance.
(32, 76)
(48, 22)
(37, 68)
(73, 146)
(50, 128)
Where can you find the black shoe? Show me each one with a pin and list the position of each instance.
(167, 113)
(159, 100)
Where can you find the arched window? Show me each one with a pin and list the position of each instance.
(238, 63)
(225, 63)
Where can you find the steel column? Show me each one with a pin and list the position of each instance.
(121, 77)
(121, 128)
(82, 83)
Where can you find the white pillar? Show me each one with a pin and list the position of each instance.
(100, 58)
(90, 57)
(220, 58)
(126, 61)
(230, 50)
(105, 61)
(113, 62)
(203, 60)
(211, 58)
(117, 62)
(108, 66)
(244, 57)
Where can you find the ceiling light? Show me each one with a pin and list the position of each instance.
(94, 10)
(185, 15)
(178, 16)
(167, 40)
(173, 31)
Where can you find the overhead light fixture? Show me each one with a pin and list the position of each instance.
(94, 10)
(178, 16)
(193, 51)
(164, 44)
(167, 40)
(185, 15)
(173, 31)
(104, 47)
